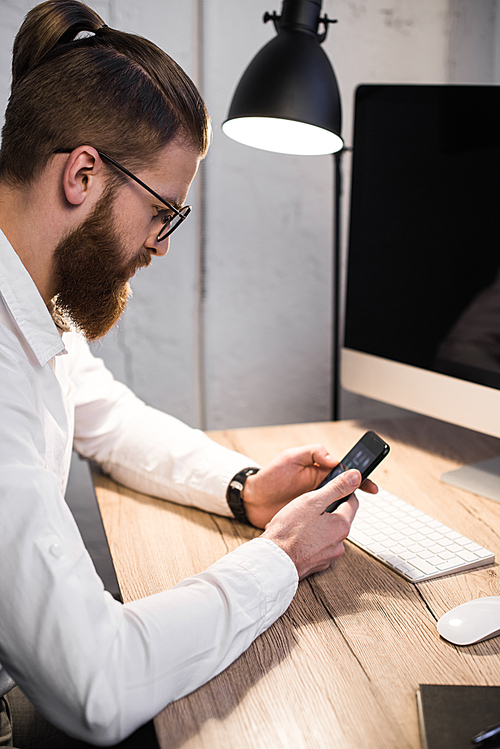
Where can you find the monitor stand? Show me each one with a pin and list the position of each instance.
(481, 478)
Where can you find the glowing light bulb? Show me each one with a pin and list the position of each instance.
(282, 136)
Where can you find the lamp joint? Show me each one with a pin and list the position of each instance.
(275, 18)
(325, 21)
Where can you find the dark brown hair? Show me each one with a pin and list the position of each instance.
(109, 89)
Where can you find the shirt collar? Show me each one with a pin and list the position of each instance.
(26, 306)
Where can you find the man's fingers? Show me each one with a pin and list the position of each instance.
(343, 484)
(348, 509)
(339, 487)
(369, 486)
(321, 456)
(312, 454)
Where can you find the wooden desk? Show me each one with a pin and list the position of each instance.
(341, 668)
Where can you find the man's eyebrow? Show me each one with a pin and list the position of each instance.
(172, 201)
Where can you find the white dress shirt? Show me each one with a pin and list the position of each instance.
(95, 668)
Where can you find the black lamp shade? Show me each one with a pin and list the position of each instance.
(289, 87)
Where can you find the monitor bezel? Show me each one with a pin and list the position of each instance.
(460, 402)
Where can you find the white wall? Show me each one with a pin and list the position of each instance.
(234, 327)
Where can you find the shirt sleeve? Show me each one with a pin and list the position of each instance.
(95, 668)
(144, 448)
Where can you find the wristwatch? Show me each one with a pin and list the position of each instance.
(234, 494)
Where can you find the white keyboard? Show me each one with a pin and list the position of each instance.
(411, 542)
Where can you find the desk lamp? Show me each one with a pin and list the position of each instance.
(288, 101)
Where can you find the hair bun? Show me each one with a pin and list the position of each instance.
(45, 27)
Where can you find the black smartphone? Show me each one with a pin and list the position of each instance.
(364, 456)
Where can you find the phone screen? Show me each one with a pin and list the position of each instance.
(364, 457)
(360, 457)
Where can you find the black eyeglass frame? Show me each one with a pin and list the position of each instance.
(181, 214)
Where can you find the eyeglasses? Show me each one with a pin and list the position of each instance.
(170, 222)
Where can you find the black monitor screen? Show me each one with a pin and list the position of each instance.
(424, 242)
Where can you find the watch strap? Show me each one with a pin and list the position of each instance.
(235, 494)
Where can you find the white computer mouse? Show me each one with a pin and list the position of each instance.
(472, 621)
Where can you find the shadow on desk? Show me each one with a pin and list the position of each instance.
(437, 437)
(216, 700)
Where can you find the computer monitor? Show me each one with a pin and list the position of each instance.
(422, 312)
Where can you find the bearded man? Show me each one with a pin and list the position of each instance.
(103, 136)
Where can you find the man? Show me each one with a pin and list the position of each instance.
(102, 139)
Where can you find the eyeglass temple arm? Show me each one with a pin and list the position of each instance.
(129, 174)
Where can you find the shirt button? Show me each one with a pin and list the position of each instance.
(56, 550)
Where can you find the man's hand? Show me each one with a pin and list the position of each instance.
(291, 474)
(311, 537)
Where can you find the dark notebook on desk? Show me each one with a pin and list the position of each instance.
(449, 716)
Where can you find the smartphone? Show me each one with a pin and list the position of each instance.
(364, 456)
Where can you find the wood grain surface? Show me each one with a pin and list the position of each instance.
(342, 666)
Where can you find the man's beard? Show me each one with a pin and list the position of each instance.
(92, 280)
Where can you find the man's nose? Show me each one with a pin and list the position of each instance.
(159, 248)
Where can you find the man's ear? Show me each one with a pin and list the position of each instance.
(82, 175)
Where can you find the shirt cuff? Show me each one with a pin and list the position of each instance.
(274, 572)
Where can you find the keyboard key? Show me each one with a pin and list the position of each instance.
(435, 560)
(407, 555)
(447, 555)
(417, 548)
(425, 554)
(417, 537)
(467, 555)
(435, 536)
(482, 553)
(428, 544)
(434, 524)
(436, 548)
(414, 575)
(424, 566)
(404, 568)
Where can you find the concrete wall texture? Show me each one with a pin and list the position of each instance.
(234, 327)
